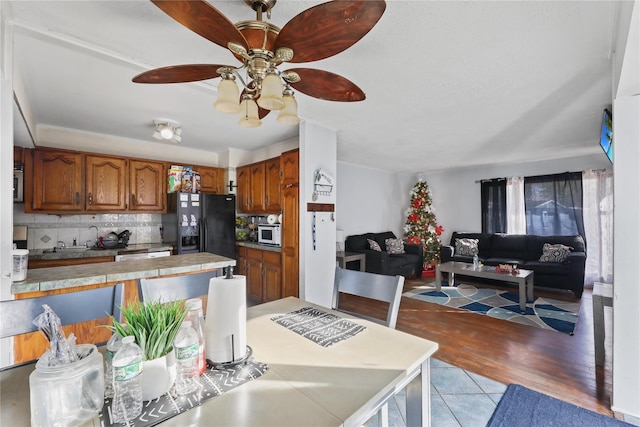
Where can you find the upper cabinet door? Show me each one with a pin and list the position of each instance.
(272, 185)
(290, 167)
(57, 181)
(243, 175)
(211, 179)
(257, 187)
(147, 186)
(106, 183)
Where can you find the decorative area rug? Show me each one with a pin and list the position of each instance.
(214, 382)
(523, 407)
(318, 326)
(545, 313)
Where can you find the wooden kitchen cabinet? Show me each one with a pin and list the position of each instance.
(254, 274)
(272, 185)
(147, 191)
(211, 179)
(241, 261)
(243, 192)
(57, 181)
(264, 275)
(290, 223)
(258, 194)
(290, 166)
(105, 183)
(259, 187)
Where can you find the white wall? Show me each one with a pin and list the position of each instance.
(626, 169)
(371, 200)
(456, 195)
(318, 150)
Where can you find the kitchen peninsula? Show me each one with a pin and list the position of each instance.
(60, 280)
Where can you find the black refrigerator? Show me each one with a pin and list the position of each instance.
(198, 222)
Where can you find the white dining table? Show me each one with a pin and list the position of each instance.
(306, 384)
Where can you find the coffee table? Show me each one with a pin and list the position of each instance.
(524, 278)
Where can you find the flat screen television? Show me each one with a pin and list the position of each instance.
(606, 134)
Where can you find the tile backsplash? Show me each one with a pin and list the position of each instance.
(44, 231)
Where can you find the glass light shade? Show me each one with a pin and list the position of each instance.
(249, 114)
(166, 132)
(289, 114)
(271, 93)
(228, 95)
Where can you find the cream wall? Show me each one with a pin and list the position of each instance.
(371, 200)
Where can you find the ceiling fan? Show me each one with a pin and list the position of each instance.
(316, 33)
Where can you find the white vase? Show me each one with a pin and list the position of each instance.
(158, 375)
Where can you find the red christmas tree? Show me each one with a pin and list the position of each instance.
(421, 227)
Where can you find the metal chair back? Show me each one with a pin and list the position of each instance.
(370, 285)
(16, 316)
(167, 289)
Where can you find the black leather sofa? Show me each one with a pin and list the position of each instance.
(525, 251)
(382, 262)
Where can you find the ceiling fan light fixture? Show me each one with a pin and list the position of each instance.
(249, 113)
(289, 114)
(228, 95)
(271, 93)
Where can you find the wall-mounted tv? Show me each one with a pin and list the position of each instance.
(606, 134)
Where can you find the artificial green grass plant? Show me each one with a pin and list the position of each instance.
(153, 324)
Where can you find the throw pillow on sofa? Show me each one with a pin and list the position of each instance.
(468, 247)
(394, 246)
(374, 246)
(554, 253)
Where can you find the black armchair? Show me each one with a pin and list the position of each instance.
(382, 262)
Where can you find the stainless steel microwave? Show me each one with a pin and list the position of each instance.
(18, 185)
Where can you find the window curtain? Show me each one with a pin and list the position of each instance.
(516, 220)
(597, 188)
(553, 204)
(493, 196)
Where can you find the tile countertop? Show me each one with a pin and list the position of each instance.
(46, 279)
(88, 253)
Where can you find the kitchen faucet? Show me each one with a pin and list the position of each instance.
(61, 244)
(95, 243)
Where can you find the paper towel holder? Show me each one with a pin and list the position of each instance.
(235, 362)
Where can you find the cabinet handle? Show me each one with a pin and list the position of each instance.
(91, 198)
(133, 200)
(266, 200)
(77, 198)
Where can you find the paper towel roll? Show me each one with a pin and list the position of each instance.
(226, 320)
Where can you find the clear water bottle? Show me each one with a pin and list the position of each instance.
(113, 345)
(186, 346)
(196, 316)
(127, 390)
(476, 262)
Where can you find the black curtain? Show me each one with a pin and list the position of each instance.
(493, 196)
(553, 204)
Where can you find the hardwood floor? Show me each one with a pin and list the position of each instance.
(550, 362)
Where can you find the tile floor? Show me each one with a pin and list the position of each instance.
(459, 398)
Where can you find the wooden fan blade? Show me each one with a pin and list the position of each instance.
(329, 28)
(204, 19)
(325, 85)
(179, 73)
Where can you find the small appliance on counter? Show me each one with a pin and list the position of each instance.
(270, 234)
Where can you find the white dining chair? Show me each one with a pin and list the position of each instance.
(369, 285)
(373, 286)
(16, 316)
(176, 288)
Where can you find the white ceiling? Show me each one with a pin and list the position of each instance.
(448, 83)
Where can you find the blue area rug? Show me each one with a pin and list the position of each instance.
(545, 313)
(523, 407)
